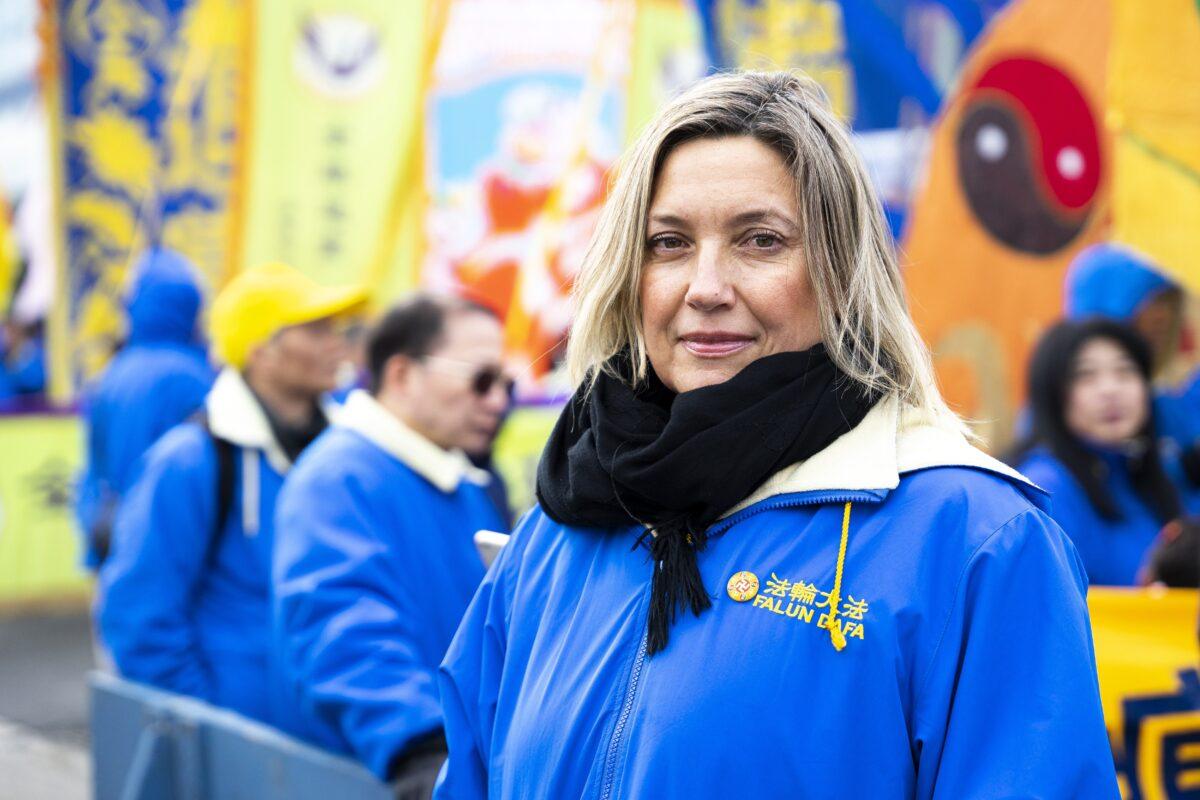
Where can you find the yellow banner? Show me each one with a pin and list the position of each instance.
(1154, 97)
(1146, 651)
(334, 122)
(39, 547)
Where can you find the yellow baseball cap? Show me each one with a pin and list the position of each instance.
(261, 301)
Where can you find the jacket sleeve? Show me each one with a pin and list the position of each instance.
(1009, 704)
(346, 614)
(160, 542)
(1070, 508)
(470, 680)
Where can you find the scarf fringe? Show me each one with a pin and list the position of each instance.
(676, 583)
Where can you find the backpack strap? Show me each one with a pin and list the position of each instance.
(225, 484)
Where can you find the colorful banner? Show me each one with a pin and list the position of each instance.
(884, 65)
(1146, 651)
(529, 107)
(1017, 181)
(146, 94)
(333, 137)
(39, 548)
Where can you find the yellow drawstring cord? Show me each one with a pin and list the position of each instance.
(835, 597)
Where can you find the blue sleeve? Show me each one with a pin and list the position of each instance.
(470, 681)
(1009, 704)
(160, 543)
(1070, 508)
(346, 619)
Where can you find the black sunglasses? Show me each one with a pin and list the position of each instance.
(483, 378)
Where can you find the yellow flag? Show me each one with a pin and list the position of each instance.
(334, 117)
(1154, 115)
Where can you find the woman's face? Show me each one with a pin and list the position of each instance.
(1108, 400)
(724, 280)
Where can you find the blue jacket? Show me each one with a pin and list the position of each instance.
(374, 565)
(1108, 280)
(173, 614)
(967, 671)
(1112, 550)
(156, 381)
(22, 374)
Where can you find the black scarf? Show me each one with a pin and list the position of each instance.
(621, 454)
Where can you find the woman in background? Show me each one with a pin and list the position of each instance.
(1092, 447)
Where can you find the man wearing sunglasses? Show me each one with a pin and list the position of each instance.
(374, 560)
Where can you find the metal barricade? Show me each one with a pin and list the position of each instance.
(154, 745)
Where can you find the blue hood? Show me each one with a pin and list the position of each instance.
(165, 300)
(1109, 280)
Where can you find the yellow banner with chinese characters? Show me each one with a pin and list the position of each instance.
(39, 547)
(333, 175)
(1147, 654)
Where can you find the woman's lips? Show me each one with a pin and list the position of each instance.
(715, 346)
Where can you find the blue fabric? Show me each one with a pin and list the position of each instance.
(23, 373)
(373, 569)
(165, 301)
(1112, 551)
(1177, 413)
(168, 616)
(1108, 280)
(156, 381)
(970, 673)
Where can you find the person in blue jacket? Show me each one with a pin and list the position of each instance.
(22, 365)
(765, 561)
(374, 539)
(184, 595)
(1113, 281)
(1092, 446)
(157, 380)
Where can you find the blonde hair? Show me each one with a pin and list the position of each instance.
(850, 256)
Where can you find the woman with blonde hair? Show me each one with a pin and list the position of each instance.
(765, 557)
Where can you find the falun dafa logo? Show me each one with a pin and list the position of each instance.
(742, 586)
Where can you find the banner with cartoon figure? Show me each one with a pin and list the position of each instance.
(147, 93)
(1070, 126)
(529, 107)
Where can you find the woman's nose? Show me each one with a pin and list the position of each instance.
(709, 286)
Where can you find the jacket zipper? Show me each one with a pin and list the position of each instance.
(614, 743)
(635, 671)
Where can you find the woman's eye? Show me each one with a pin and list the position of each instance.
(666, 242)
(764, 241)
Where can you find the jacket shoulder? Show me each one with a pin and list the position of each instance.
(185, 447)
(976, 502)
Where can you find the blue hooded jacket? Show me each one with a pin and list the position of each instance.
(1112, 550)
(156, 381)
(374, 565)
(180, 606)
(967, 669)
(1108, 280)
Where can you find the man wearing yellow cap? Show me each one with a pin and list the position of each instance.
(184, 594)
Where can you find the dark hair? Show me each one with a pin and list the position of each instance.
(1051, 373)
(414, 328)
